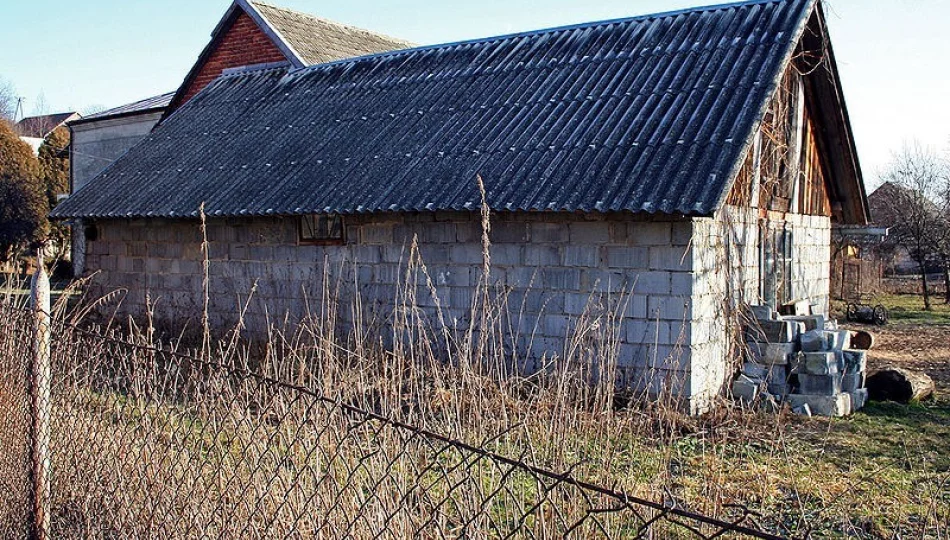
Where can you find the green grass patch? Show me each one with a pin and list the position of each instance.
(907, 308)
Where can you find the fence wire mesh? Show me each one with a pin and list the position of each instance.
(149, 443)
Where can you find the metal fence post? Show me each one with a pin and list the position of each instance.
(40, 400)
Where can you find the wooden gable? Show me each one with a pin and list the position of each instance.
(803, 159)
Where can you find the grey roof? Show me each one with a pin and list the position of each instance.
(40, 126)
(316, 40)
(646, 114)
(151, 104)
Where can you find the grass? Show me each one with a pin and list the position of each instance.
(882, 473)
(266, 458)
(907, 308)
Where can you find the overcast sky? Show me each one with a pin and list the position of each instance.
(894, 55)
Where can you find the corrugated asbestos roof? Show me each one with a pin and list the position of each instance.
(153, 103)
(648, 114)
(318, 40)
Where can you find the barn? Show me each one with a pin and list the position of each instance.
(660, 172)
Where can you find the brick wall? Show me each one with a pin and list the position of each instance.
(242, 44)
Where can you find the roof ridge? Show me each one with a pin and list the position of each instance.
(331, 22)
(541, 31)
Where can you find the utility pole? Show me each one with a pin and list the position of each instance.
(19, 109)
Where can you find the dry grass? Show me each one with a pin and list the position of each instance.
(149, 445)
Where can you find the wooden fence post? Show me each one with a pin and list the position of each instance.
(40, 400)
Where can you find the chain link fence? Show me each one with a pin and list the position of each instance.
(149, 443)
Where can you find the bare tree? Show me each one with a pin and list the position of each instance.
(8, 100)
(916, 209)
(95, 108)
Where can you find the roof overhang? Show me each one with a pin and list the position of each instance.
(826, 97)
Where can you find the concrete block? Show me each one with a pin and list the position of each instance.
(855, 361)
(754, 370)
(779, 389)
(466, 254)
(556, 326)
(595, 232)
(839, 339)
(755, 352)
(652, 282)
(377, 234)
(852, 382)
(746, 389)
(535, 255)
(777, 374)
(670, 258)
(651, 234)
(778, 353)
(560, 278)
(636, 306)
(763, 313)
(819, 385)
(774, 331)
(628, 257)
(586, 256)
(820, 363)
(578, 303)
(812, 322)
(439, 233)
(549, 233)
(814, 341)
(670, 308)
(509, 232)
(837, 405)
(682, 233)
(506, 255)
(859, 398)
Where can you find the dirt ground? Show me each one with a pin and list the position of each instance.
(922, 347)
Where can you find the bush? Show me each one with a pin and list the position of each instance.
(54, 179)
(23, 202)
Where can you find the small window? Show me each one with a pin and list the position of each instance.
(775, 264)
(321, 229)
(91, 232)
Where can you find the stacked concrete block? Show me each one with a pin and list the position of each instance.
(805, 361)
(830, 376)
(771, 344)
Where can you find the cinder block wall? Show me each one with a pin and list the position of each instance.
(97, 144)
(674, 284)
(552, 267)
(726, 264)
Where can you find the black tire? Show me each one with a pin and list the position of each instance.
(851, 312)
(880, 315)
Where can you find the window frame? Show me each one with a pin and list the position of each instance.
(317, 240)
(776, 263)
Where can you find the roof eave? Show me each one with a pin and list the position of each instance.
(116, 116)
(774, 84)
(856, 201)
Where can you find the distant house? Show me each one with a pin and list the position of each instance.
(98, 139)
(889, 204)
(33, 130)
(249, 33)
(688, 163)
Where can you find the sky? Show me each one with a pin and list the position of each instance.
(893, 55)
